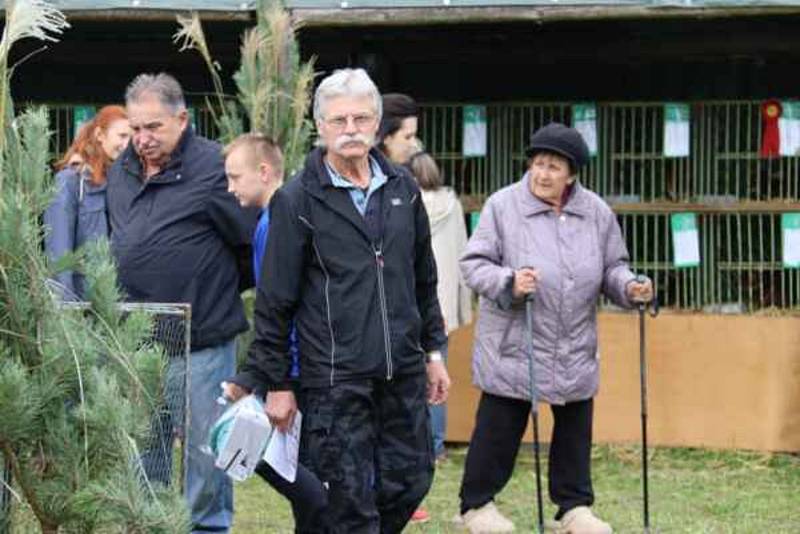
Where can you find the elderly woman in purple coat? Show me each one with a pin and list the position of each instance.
(547, 236)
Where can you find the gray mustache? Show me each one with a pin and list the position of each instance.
(357, 138)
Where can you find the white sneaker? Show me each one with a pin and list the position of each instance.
(581, 520)
(484, 520)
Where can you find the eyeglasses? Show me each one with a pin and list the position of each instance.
(361, 121)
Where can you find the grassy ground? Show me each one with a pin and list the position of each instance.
(691, 491)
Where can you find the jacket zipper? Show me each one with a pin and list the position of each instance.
(382, 296)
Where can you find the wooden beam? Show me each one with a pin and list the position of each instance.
(475, 203)
(114, 15)
(344, 17)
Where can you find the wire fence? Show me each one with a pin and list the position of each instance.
(164, 456)
(738, 196)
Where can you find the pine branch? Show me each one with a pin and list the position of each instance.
(47, 524)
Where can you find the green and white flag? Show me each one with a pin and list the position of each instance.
(676, 130)
(80, 116)
(584, 119)
(789, 128)
(685, 240)
(790, 226)
(474, 131)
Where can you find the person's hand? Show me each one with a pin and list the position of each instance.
(525, 282)
(640, 291)
(234, 392)
(438, 382)
(280, 409)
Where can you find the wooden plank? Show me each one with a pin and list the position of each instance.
(475, 203)
(112, 15)
(316, 17)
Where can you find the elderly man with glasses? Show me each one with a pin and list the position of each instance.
(350, 261)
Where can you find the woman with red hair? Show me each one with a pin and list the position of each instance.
(77, 214)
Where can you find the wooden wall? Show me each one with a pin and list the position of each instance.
(719, 381)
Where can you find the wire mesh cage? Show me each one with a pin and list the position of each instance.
(164, 457)
(737, 194)
(64, 124)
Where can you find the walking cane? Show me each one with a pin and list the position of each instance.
(534, 410)
(642, 306)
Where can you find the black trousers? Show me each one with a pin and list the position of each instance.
(499, 426)
(370, 441)
(306, 494)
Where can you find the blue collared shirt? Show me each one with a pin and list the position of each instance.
(359, 197)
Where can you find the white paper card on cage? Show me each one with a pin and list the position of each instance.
(685, 240)
(474, 143)
(790, 225)
(284, 449)
(584, 119)
(789, 128)
(676, 130)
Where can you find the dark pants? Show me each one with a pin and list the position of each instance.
(370, 441)
(306, 494)
(499, 426)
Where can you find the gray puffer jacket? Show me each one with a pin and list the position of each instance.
(579, 254)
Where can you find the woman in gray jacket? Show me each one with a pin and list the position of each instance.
(548, 237)
(77, 214)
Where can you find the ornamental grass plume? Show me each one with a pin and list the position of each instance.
(273, 85)
(24, 18)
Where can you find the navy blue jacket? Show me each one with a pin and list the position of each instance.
(364, 308)
(181, 237)
(76, 216)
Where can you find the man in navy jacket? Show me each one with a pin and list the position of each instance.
(349, 259)
(179, 236)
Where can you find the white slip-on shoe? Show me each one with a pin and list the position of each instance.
(486, 520)
(581, 520)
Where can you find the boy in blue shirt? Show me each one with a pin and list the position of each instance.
(254, 167)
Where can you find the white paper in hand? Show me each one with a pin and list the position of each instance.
(283, 450)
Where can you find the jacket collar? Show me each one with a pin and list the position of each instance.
(577, 203)
(317, 182)
(133, 164)
(314, 168)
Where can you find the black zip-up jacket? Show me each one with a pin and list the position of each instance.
(363, 296)
(181, 237)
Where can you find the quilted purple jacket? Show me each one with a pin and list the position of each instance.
(579, 254)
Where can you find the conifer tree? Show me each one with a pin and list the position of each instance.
(77, 387)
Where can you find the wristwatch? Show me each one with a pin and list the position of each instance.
(433, 356)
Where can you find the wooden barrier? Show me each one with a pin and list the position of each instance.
(718, 381)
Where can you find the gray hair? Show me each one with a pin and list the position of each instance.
(346, 82)
(165, 87)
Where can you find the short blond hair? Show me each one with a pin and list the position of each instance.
(261, 149)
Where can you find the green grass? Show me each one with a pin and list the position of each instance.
(691, 491)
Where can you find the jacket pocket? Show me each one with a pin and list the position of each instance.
(321, 446)
(511, 342)
(502, 329)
